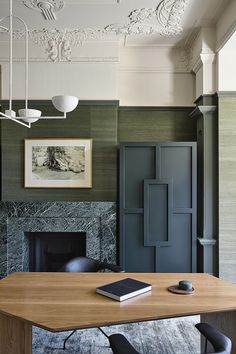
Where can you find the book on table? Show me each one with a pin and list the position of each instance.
(124, 289)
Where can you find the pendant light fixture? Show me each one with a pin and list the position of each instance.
(28, 116)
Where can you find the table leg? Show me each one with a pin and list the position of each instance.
(15, 336)
(225, 322)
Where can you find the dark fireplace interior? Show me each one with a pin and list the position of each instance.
(49, 251)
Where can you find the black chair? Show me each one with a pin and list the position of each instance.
(120, 345)
(220, 343)
(85, 264)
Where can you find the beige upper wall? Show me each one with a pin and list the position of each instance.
(137, 76)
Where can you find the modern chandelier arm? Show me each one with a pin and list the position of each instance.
(11, 56)
(26, 58)
(53, 117)
(11, 17)
(63, 103)
(5, 116)
(15, 120)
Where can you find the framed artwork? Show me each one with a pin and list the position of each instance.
(58, 163)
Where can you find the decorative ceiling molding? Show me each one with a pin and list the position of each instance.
(46, 7)
(3, 29)
(183, 58)
(58, 43)
(165, 20)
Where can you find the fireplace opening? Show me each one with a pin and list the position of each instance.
(49, 251)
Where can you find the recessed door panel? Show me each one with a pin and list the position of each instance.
(176, 161)
(139, 164)
(137, 257)
(178, 257)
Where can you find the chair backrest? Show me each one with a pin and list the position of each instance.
(85, 264)
(120, 345)
(221, 343)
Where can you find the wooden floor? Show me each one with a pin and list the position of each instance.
(172, 336)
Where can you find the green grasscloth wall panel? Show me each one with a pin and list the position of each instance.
(227, 186)
(103, 121)
(96, 120)
(156, 124)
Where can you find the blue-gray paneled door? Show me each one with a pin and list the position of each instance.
(157, 207)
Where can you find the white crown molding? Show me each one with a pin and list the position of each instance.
(147, 46)
(46, 7)
(197, 65)
(85, 60)
(59, 43)
(153, 70)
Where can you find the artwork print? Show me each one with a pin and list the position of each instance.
(58, 163)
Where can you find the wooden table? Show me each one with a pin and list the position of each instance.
(66, 301)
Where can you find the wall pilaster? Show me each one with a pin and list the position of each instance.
(207, 230)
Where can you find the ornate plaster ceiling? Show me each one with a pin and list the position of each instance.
(144, 22)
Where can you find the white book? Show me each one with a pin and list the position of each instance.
(124, 289)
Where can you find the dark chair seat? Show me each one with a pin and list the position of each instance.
(85, 264)
(120, 345)
(221, 343)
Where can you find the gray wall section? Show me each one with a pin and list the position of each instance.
(103, 121)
